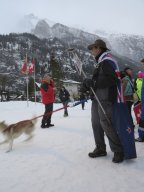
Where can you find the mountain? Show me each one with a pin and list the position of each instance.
(14, 47)
(42, 29)
(130, 46)
(46, 39)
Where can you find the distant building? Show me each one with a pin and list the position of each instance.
(73, 87)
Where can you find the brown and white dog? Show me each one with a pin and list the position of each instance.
(15, 130)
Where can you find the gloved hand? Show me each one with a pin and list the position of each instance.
(88, 83)
(83, 89)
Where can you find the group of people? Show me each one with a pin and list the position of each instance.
(139, 88)
(48, 97)
(104, 93)
(133, 94)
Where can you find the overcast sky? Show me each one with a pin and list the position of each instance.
(122, 16)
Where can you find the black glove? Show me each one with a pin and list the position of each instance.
(88, 83)
(83, 89)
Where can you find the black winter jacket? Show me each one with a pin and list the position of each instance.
(104, 77)
(64, 95)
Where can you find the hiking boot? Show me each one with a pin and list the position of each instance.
(98, 152)
(118, 157)
(139, 140)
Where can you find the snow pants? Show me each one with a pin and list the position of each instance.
(46, 120)
(65, 103)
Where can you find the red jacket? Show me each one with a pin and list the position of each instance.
(47, 92)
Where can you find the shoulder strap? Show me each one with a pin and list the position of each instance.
(114, 64)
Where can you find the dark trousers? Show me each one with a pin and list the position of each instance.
(65, 103)
(46, 120)
(141, 134)
(83, 105)
(101, 125)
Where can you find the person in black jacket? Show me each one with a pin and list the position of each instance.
(103, 83)
(82, 99)
(64, 97)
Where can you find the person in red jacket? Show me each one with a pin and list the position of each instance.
(48, 98)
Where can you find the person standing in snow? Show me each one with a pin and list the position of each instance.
(64, 97)
(128, 89)
(48, 98)
(140, 92)
(104, 84)
(82, 99)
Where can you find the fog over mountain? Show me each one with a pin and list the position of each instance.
(27, 23)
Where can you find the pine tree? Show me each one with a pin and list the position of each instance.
(56, 71)
(4, 81)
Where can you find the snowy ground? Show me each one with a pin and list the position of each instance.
(56, 159)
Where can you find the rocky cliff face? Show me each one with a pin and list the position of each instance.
(42, 29)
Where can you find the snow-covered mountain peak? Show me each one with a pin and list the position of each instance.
(42, 29)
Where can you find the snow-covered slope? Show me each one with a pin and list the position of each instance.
(56, 159)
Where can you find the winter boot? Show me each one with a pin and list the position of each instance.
(65, 115)
(49, 125)
(98, 152)
(139, 140)
(43, 126)
(118, 157)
